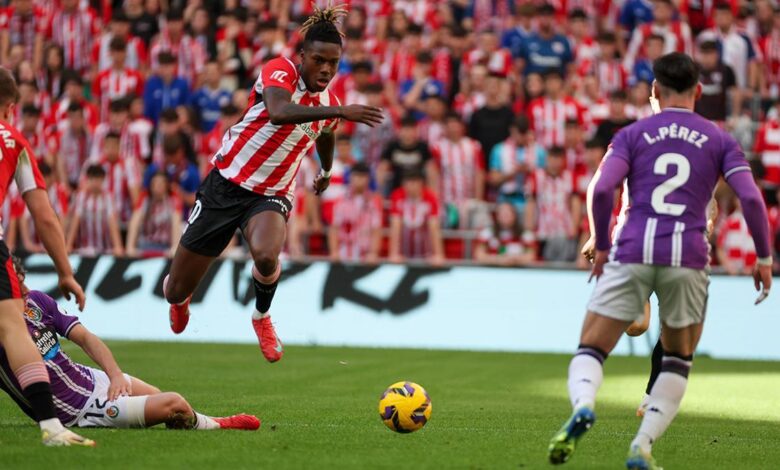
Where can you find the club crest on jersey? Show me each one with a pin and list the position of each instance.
(279, 75)
(33, 313)
(112, 412)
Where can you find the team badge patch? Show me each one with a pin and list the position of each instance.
(33, 313)
(112, 411)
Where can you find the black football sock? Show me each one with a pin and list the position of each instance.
(656, 363)
(264, 295)
(40, 398)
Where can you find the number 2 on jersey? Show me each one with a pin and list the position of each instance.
(661, 167)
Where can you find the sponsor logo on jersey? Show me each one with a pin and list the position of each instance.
(46, 341)
(279, 75)
(311, 133)
(112, 412)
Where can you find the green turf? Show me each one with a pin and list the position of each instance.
(490, 410)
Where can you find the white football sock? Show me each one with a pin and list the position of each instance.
(204, 422)
(258, 315)
(661, 409)
(585, 376)
(52, 425)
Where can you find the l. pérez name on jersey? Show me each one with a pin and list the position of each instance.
(673, 131)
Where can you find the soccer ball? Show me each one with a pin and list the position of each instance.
(405, 407)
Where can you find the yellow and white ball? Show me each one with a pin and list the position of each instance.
(405, 407)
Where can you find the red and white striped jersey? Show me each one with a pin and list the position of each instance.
(264, 157)
(770, 49)
(75, 32)
(191, 56)
(17, 163)
(94, 212)
(101, 52)
(12, 209)
(610, 74)
(677, 38)
(553, 201)
(158, 214)
(548, 118)
(767, 146)
(59, 114)
(414, 215)
(111, 84)
(355, 217)
(73, 149)
(498, 61)
(431, 132)
(23, 29)
(458, 164)
(121, 175)
(736, 243)
(130, 142)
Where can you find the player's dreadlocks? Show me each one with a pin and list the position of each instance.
(322, 24)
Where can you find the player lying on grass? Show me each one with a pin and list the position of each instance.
(89, 397)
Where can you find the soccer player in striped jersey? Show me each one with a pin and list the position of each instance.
(23, 363)
(251, 187)
(672, 161)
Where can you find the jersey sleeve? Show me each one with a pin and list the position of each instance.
(279, 73)
(734, 159)
(27, 175)
(54, 314)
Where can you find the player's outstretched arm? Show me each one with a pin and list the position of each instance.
(50, 231)
(97, 350)
(281, 110)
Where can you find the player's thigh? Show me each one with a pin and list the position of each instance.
(100, 412)
(622, 291)
(682, 296)
(219, 208)
(265, 229)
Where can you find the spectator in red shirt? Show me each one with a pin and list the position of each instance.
(548, 114)
(123, 178)
(58, 197)
(74, 94)
(94, 229)
(415, 231)
(735, 248)
(74, 29)
(461, 172)
(135, 49)
(156, 224)
(342, 162)
(502, 243)
(22, 23)
(553, 209)
(212, 141)
(118, 80)
(356, 231)
(72, 146)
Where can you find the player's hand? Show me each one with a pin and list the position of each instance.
(599, 260)
(762, 279)
(69, 286)
(119, 386)
(320, 184)
(369, 115)
(589, 249)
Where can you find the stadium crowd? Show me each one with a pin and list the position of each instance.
(498, 112)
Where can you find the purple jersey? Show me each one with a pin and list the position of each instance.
(71, 383)
(674, 159)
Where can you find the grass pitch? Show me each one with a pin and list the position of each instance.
(490, 411)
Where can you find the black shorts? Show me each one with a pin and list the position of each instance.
(221, 207)
(9, 281)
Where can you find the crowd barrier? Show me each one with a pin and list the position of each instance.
(464, 307)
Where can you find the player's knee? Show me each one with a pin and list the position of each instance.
(175, 404)
(175, 292)
(265, 261)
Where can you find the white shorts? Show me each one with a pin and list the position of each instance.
(623, 289)
(99, 412)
